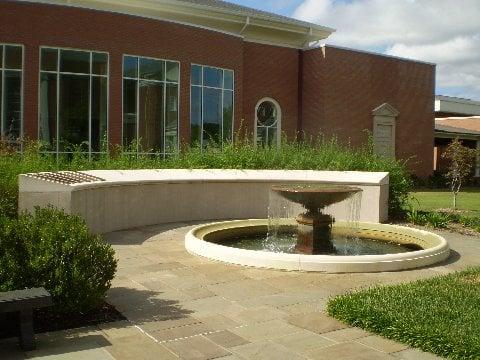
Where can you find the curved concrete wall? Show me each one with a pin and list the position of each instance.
(125, 199)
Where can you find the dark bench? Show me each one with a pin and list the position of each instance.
(24, 302)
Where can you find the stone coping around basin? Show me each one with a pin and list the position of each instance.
(437, 249)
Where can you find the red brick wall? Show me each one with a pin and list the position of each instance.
(342, 87)
(35, 25)
(271, 71)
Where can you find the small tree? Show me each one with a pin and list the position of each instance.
(462, 160)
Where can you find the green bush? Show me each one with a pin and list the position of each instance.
(319, 154)
(56, 251)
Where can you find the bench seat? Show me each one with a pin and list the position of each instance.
(24, 302)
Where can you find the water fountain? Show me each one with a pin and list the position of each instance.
(314, 230)
(313, 241)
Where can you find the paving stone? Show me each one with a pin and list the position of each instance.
(260, 314)
(198, 293)
(227, 339)
(218, 322)
(119, 329)
(266, 330)
(382, 344)
(346, 334)
(304, 308)
(168, 324)
(138, 347)
(266, 350)
(414, 354)
(196, 348)
(316, 322)
(348, 351)
(181, 332)
(242, 289)
(303, 341)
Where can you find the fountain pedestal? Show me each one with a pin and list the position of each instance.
(314, 233)
(314, 230)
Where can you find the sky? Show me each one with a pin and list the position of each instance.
(444, 32)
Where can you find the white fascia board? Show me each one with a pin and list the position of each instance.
(171, 11)
(457, 106)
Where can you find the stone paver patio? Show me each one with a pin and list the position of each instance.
(182, 306)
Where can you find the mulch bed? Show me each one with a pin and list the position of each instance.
(45, 320)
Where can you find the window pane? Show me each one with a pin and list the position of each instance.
(130, 66)
(13, 57)
(196, 75)
(129, 112)
(12, 105)
(99, 113)
(261, 136)
(150, 126)
(73, 112)
(152, 69)
(212, 116)
(227, 115)
(48, 110)
(100, 63)
(172, 71)
(272, 137)
(196, 115)
(49, 59)
(74, 61)
(171, 122)
(212, 77)
(228, 80)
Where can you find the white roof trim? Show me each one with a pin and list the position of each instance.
(262, 27)
(456, 105)
(373, 53)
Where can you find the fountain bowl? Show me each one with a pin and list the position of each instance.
(315, 197)
(434, 248)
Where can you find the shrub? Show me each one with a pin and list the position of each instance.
(56, 251)
(437, 220)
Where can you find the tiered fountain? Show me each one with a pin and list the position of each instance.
(314, 241)
(314, 230)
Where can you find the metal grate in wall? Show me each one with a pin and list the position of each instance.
(66, 177)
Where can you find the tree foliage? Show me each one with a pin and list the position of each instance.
(461, 161)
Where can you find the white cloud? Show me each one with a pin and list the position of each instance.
(446, 32)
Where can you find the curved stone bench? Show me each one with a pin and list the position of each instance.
(111, 200)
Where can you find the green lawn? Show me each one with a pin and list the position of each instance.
(440, 315)
(428, 200)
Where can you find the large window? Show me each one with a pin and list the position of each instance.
(211, 107)
(73, 100)
(150, 105)
(11, 64)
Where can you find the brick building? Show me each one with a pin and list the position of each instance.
(160, 73)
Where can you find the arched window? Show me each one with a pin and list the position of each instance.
(268, 116)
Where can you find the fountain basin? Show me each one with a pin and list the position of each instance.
(434, 249)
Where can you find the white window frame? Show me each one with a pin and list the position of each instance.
(203, 87)
(278, 122)
(22, 95)
(165, 82)
(90, 75)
